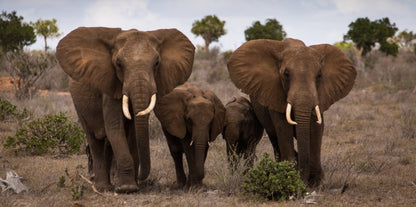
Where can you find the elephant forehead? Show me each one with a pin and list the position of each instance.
(200, 101)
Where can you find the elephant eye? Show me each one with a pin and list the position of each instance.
(286, 73)
(119, 63)
(319, 76)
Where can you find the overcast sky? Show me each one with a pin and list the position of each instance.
(313, 21)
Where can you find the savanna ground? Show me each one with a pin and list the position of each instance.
(368, 150)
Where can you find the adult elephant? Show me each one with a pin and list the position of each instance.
(285, 79)
(113, 72)
(190, 119)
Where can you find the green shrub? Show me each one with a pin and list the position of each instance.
(10, 111)
(50, 134)
(273, 180)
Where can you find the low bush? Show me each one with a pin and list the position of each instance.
(274, 180)
(50, 134)
(10, 111)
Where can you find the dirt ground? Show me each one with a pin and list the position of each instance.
(368, 155)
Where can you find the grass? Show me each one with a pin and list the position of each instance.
(368, 151)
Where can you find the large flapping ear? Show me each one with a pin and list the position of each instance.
(177, 57)
(85, 55)
(338, 75)
(254, 68)
(217, 123)
(170, 110)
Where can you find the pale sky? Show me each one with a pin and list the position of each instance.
(312, 21)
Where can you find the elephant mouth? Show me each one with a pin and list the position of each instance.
(289, 118)
(149, 108)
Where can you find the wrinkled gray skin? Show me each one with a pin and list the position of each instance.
(106, 64)
(190, 119)
(290, 86)
(242, 131)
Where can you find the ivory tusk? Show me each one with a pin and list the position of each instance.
(125, 107)
(288, 111)
(318, 114)
(150, 107)
(190, 144)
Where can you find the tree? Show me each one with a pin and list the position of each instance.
(365, 34)
(405, 39)
(272, 29)
(14, 33)
(210, 28)
(46, 29)
(26, 68)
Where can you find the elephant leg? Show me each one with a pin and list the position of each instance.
(114, 127)
(316, 173)
(285, 134)
(176, 151)
(265, 120)
(101, 166)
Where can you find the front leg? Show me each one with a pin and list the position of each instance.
(115, 130)
(284, 132)
(176, 151)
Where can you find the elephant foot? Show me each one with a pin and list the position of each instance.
(102, 187)
(127, 188)
(315, 179)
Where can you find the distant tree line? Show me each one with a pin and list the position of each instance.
(25, 67)
(363, 33)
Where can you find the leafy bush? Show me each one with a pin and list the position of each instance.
(49, 134)
(10, 111)
(273, 180)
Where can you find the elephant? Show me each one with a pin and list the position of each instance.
(286, 79)
(242, 131)
(114, 72)
(191, 119)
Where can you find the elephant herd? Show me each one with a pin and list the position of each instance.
(114, 73)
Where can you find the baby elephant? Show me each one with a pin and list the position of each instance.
(242, 131)
(190, 119)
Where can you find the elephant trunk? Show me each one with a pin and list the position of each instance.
(143, 99)
(200, 147)
(302, 117)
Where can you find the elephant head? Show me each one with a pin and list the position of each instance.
(190, 113)
(289, 77)
(135, 66)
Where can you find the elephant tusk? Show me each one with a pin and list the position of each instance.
(190, 144)
(125, 107)
(288, 111)
(150, 107)
(318, 114)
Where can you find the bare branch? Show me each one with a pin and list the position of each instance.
(13, 182)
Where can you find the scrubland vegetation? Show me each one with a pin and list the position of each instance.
(368, 150)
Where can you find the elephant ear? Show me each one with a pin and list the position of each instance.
(338, 75)
(254, 68)
(217, 124)
(170, 110)
(177, 57)
(85, 55)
